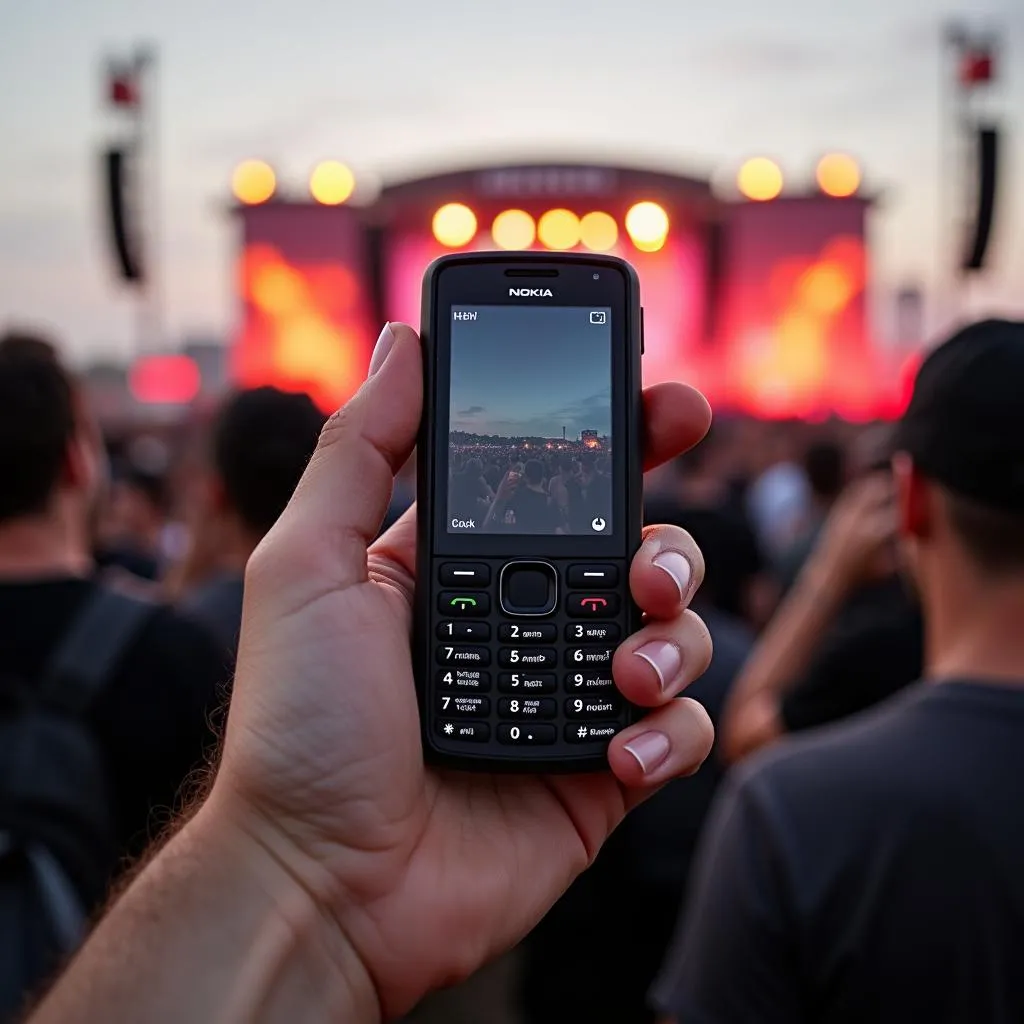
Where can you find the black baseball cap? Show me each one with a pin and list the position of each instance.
(964, 425)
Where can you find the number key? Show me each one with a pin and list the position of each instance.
(528, 633)
(454, 655)
(475, 632)
(527, 707)
(588, 682)
(589, 656)
(528, 734)
(530, 657)
(593, 632)
(591, 707)
(526, 682)
(463, 704)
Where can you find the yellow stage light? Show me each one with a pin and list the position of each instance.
(838, 175)
(647, 225)
(598, 231)
(331, 183)
(454, 225)
(513, 229)
(559, 229)
(253, 182)
(760, 179)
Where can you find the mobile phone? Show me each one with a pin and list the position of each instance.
(529, 507)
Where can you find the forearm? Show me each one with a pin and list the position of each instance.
(213, 930)
(778, 660)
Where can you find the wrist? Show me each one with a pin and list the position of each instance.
(298, 963)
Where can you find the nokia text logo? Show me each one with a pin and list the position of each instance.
(530, 293)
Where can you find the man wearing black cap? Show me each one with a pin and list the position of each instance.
(872, 871)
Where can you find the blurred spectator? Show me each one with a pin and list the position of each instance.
(778, 499)
(847, 636)
(132, 522)
(825, 468)
(700, 501)
(261, 442)
(131, 679)
(871, 872)
(622, 910)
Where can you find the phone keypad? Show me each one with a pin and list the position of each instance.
(552, 640)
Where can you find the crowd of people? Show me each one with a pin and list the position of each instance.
(847, 852)
(515, 486)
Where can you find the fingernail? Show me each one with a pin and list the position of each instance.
(673, 563)
(381, 349)
(664, 658)
(650, 749)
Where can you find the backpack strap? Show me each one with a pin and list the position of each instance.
(96, 640)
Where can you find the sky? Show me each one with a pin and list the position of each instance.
(529, 372)
(395, 87)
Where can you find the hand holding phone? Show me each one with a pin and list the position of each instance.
(532, 376)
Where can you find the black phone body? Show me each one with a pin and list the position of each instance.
(529, 507)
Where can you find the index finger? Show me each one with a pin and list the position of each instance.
(676, 417)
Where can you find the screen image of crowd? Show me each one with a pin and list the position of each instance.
(533, 485)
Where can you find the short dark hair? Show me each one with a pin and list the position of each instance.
(262, 441)
(37, 422)
(533, 471)
(992, 537)
(825, 466)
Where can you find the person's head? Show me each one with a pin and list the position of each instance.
(959, 465)
(51, 456)
(474, 467)
(825, 466)
(261, 441)
(137, 507)
(534, 472)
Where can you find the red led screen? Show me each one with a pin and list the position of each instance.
(305, 300)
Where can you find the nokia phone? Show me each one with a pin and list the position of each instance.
(529, 507)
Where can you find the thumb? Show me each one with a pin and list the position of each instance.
(342, 497)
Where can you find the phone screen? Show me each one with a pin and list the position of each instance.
(530, 446)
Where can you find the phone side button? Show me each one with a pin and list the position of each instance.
(472, 732)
